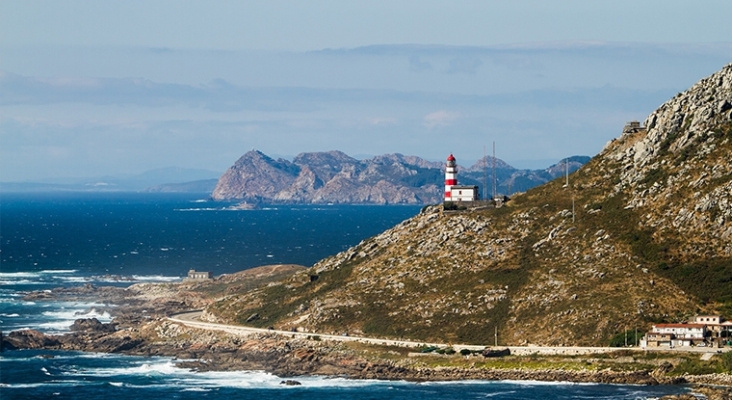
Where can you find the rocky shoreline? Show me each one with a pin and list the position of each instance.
(202, 350)
(286, 357)
(140, 327)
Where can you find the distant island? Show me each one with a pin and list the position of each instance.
(335, 177)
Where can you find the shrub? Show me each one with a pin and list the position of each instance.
(726, 361)
(634, 336)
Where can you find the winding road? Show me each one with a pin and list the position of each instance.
(192, 319)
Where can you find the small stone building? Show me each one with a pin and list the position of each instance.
(632, 127)
(194, 275)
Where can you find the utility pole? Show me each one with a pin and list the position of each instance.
(496, 335)
(485, 175)
(626, 336)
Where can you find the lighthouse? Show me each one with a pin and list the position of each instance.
(453, 191)
(450, 176)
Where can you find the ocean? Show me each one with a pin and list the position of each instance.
(66, 239)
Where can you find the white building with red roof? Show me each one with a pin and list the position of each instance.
(701, 331)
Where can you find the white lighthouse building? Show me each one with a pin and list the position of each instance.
(453, 191)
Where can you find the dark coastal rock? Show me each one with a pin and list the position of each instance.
(290, 382)
(709, 393)
(29, 339)
(109, 344)
(91, 324)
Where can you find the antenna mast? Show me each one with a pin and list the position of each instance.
(494, 170)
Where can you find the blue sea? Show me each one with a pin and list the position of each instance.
(67, 239)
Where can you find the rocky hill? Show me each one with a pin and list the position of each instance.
(334, 177)
(643, 233)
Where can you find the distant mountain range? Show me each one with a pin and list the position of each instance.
(320, 177)
(335, 177)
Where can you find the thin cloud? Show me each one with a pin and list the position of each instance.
(382, 121)
(440, 118)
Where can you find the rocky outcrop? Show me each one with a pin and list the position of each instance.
(91, 325)
(28, 339)
(677, 171)
(334, 177)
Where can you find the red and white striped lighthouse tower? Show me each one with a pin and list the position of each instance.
(450, 177)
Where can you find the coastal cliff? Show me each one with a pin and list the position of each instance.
(642, 234)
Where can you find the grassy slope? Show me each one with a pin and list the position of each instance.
(527, 268)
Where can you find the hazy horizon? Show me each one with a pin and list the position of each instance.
(106, 88)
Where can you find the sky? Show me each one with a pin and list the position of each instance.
(93, 88)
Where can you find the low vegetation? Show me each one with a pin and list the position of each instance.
(639, 235)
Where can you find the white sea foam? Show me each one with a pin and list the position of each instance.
(76, 279)
(494, 394)
(13, 315)
(60, 320)
(54, 383)
(17, 282)
(79, 312)
(148, 367)
(55, 328)
(156, 278)
(21, 328)
(24, 385)
(58, 271)
(545, 383)
(191, 380)
(9, 275)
